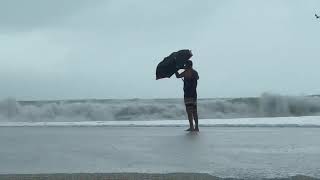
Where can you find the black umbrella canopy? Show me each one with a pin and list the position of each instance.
(172, 63)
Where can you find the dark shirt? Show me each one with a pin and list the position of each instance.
(189, 84)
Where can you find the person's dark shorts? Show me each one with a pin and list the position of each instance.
(190, 102)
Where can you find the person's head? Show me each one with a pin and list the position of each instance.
(188, 64)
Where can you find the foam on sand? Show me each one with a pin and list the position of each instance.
(308, 121)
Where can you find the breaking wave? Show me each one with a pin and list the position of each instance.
(268, 105)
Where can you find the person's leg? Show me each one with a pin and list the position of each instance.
(188, 104)
(195, 116)
(190, 117)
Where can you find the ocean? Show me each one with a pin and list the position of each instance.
(270, 136)
(166, 110)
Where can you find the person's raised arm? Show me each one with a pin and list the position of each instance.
(179, 75)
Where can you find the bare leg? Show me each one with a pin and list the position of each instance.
(190, 118)
(195, 116)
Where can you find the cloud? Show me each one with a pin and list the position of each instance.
(18, 16)
(111, 48)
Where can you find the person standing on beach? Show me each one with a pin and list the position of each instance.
(190, 82)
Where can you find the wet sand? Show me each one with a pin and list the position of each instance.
(130, 176)
(252, 153)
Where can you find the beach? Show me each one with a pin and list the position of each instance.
(132, 176)
(237, 152)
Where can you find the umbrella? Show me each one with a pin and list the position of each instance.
(172, 63)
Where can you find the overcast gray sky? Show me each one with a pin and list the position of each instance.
(58, 49)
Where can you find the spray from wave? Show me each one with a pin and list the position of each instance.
(268, 105)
